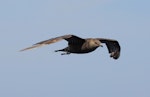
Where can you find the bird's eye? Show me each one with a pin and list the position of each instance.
(96, 43)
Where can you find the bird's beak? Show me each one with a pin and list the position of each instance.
(101, 45)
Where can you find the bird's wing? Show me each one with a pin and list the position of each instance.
(70, 38)
(75, 40)
(113, 47)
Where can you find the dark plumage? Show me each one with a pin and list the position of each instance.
(79, 45)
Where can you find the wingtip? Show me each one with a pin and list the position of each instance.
(22, 50)
(115, 55)
(34, 46)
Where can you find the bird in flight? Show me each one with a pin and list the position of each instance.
(80, 46)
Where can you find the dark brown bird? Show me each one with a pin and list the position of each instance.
(79, 45)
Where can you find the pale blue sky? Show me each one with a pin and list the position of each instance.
(43, 73)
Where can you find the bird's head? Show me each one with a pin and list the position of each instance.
(95, 43)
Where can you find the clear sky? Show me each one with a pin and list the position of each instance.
(43, 73)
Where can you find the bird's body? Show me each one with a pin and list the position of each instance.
(86, 47)
(81, 46)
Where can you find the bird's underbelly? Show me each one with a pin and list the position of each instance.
(82, 51)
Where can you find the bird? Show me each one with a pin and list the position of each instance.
(80, 45)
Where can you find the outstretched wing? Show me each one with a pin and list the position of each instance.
(113, 47)
(72, 39)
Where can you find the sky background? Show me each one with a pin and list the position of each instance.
(43, 73)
